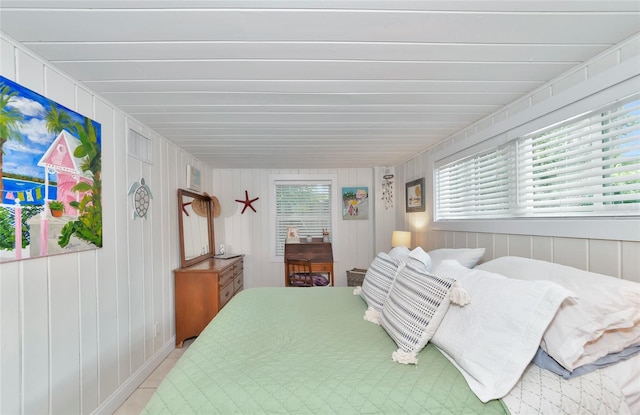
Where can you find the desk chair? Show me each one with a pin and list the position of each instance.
(299, 274)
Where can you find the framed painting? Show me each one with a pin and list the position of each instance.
(415, 196)
(50, 177)
(194, 178)
(355, 203)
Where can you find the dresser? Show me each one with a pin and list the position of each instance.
(319, 253)
(201, 290)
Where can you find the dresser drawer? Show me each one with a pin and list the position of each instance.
(226, 277)
(226, 293)
(238, 281)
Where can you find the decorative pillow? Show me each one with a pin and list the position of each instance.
(415, 306)
(605, 320)
(377, 282)
(493, 339)
(417, 255)
(399, 252)
(422, 258)
(467, 257)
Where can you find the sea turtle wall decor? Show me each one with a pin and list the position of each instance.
(141, 198)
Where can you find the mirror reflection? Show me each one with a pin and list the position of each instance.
(196, 227)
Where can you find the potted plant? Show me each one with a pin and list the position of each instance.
(56, 208)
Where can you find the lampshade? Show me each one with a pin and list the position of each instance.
(401, 238)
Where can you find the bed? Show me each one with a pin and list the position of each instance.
(295, 351)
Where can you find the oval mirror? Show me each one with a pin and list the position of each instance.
(195, 226)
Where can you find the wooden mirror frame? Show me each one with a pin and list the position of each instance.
(182, 212)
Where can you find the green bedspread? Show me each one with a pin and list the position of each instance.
(307, 350)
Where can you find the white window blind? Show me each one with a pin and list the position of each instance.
(475, 187)
(306, 206)
(588, 165)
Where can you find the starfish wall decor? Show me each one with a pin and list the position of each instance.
(247, 202)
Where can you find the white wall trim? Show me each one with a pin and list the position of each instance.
(117, 398)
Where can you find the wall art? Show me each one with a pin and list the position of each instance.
(50, 158)
(355, 203)
(415, 196)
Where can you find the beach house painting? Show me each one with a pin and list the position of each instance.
(49, 177)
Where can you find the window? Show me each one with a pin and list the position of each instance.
(302, 204)
(588, 165)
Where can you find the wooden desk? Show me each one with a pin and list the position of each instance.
(320, 254)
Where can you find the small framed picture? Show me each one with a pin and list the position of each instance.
(415, 196)
(194, 178)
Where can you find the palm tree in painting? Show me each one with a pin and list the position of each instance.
(57, 120)
(10, 121)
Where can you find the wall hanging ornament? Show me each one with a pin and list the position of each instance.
(387, 189)
(247, 202)
(141, 198)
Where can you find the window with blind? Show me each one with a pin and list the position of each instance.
(303, 205)
(588, 165)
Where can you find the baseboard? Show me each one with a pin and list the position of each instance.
(117, 398)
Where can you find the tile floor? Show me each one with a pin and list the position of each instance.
(138, 399)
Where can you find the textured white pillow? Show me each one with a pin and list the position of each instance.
(377, 283)
(420, 258)
(493, 339)
(467, 257)
(399, 252)
(605, 320)
(411, 313)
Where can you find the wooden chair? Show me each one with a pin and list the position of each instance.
(299, 274)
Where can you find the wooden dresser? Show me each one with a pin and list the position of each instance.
(319, 253)
(201, 290)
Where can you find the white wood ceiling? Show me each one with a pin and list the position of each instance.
(314, 83)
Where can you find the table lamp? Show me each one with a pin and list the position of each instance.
(401, 238)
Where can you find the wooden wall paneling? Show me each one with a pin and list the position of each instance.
(29, 72)
(171, 259)
(11, 396)
(485, 240)
(262, 253)
(500, 245)
(64, 309)
(123, 213)
(107, 322)
(160, 206)
(34, 335)
(62, 91)
(7, 61)
(604, 257)
(520, 245)
(459, 239)
(88, 318)
(631, 261)
(542, 248)
(147, 296)
(571, 251)
(136, 254)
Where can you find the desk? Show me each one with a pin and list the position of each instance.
(320, 254)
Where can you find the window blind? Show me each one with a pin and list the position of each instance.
(588, 165)
(305, 206)
(476, 187)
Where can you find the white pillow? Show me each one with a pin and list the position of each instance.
(377, 283)
(415, 306)
(493, 339)
(399, 252)
(467, 257)
(421, 258)
(605, 320)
